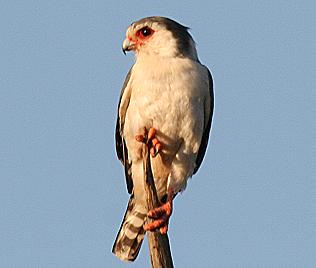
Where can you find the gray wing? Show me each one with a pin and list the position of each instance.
(121, 149)
(207, 129)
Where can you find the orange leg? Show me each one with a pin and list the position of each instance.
(149, 137)
(161, 216)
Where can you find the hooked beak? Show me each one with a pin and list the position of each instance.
(127, 46)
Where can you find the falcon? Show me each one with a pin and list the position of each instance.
(166, 102)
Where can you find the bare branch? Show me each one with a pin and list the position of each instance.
(160, 254)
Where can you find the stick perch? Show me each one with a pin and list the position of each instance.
(159, 247)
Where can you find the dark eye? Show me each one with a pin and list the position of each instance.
(145, 31)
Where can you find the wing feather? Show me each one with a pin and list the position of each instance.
(207, 127)
(121, 149)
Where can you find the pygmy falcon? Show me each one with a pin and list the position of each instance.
(167, 102)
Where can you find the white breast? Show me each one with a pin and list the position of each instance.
(169, 95)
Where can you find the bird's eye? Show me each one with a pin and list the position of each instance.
(145, 32)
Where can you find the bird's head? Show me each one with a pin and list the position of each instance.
(159, 36)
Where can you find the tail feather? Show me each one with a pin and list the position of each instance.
(131, 234)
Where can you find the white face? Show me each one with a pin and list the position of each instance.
(150, 38)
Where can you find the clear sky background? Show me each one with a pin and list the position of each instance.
(62, 189)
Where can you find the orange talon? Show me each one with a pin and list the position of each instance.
(165, 209)
(158, 147)
(163, 230)
(151, 133)
(161, 216)
(149, 138)
(140, 138)
(153, 151)
(154, 225)
(155, 142)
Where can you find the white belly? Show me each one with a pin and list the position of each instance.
(170, 99)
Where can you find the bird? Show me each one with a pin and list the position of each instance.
(167, 102)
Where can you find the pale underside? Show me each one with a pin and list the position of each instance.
(173, 96)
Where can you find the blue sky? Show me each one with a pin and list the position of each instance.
(62, 190)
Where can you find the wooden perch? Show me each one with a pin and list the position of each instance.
(159, 247)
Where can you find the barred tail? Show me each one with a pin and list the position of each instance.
(131, 234)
